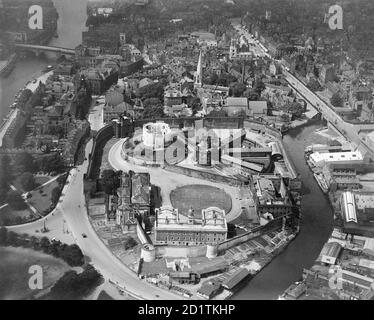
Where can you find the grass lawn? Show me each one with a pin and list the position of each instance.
(14, 267)
(41, 198)
(199, 197)
(39, 180)
(8, 213)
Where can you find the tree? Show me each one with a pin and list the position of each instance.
(195, 104)
(12, 238)
(211, 78)
(34, 242)
(153, 112)
(295, 109)
(15, 201)
(4, 187)
(24, 162)
(27, 181)
(110, 181)
(259, 86)
(238, 89)
(73, 255)
(336, 100)
(5, 168)
(45, 244)
(154, 90)
(151, 102)
(3, 236)
(51, 163)
(55, 195)
(74, 286)
(61, 179)
(314, 85)
(252, 95)
(225, 79)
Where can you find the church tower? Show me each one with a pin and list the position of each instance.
(199, 73)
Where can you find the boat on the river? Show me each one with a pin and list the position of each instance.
(321, 182)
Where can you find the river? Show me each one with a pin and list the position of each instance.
(71, 23)
(316, 227)
(317, 215)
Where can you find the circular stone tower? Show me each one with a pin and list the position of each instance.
(148, 253)
(211, 251)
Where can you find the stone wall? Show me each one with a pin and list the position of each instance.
(204, 175)
(101, 138)
(180, 252)
(256, 232)
(141, 234)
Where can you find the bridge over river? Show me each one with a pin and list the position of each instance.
(38, 49)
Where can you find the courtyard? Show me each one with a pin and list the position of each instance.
(199, 197)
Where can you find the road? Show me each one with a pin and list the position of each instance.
(350, 131)
(74, 212)
(168, 181)
(96, 115)
(71, 214)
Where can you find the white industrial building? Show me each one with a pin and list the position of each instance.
(321, 159)
(348, 205)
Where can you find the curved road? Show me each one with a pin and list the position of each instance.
(75, 214)
(168, 181)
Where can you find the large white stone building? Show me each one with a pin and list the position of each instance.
(173, 228)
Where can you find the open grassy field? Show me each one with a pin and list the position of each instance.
(199, 197)
(14, 267)
(9, 213)
(41, 198)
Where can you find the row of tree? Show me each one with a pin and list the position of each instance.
(71, 254)
(73, 286)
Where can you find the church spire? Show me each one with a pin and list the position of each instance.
(199, 72)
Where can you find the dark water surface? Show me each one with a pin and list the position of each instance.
(316, 226)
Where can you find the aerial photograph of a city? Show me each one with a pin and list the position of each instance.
(207, 151)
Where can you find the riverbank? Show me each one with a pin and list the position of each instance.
(71, 23)
(349, 249)
(315, 228)
(12, 114)
(6, 66)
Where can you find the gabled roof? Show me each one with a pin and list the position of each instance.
(236, 101)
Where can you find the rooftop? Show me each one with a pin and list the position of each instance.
(213, 219)
(235, 101)
(336, 156)
(235, 278)
(364, 200)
